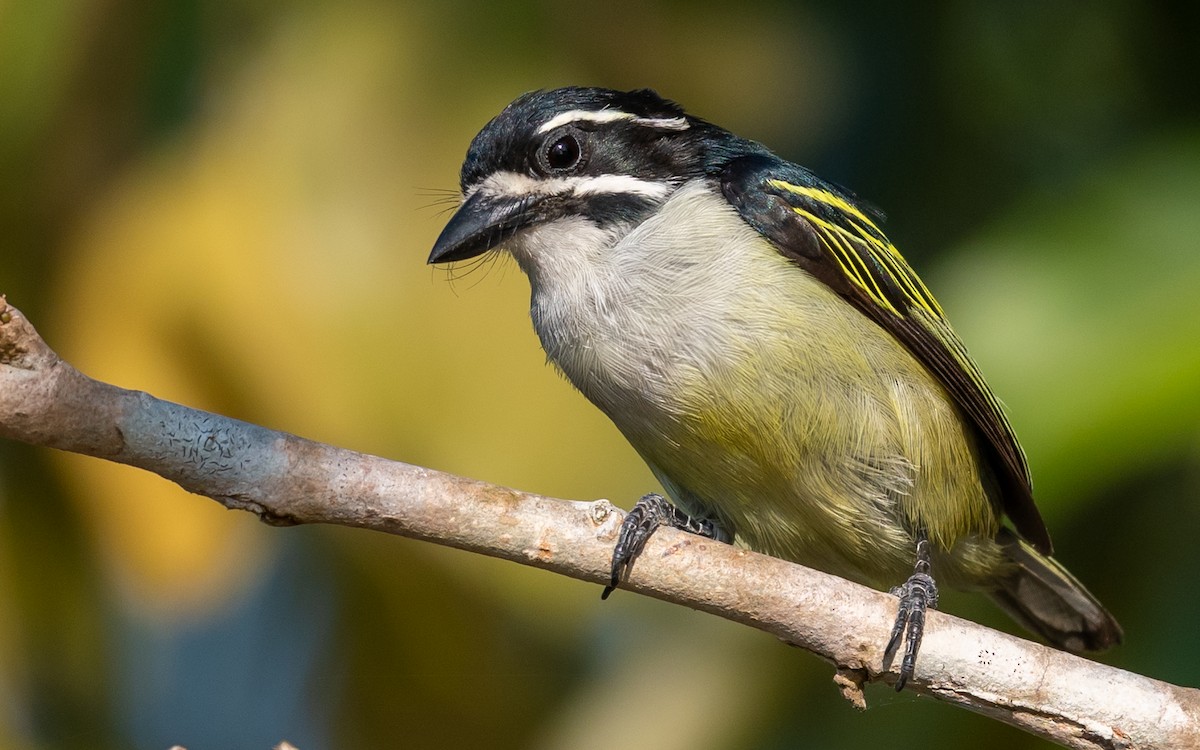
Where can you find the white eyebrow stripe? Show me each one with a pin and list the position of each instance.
(583, 115)
(663, 123)
(612, 115)
(516, 185)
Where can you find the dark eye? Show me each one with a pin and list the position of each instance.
(563, 153)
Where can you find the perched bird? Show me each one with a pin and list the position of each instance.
(766, 349)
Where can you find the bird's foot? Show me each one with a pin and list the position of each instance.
(651, 512)
(917, 594)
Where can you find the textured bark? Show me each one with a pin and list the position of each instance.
(285, 480)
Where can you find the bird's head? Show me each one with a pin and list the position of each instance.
(579, 158)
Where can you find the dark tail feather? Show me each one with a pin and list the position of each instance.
(1041, 595)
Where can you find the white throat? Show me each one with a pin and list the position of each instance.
(615, 308)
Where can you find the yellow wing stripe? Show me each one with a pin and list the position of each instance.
(826, 197)
(856, 243)
(869, 261)
(911, 284)
(852, 265)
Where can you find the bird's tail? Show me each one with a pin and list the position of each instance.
(1042, 596)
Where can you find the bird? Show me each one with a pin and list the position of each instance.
(752, 332)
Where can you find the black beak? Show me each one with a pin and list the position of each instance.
(481, 224)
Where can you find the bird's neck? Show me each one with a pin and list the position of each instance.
(614, 308)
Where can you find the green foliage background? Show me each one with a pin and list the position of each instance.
(229, 204)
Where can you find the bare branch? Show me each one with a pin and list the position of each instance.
(285, 479)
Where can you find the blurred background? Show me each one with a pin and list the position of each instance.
(229, 204)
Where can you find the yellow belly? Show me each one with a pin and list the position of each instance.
(763, 399)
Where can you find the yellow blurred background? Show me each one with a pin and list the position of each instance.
(228, 204)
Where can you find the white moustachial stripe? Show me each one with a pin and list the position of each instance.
(514, 184)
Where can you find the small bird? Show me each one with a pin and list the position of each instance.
(766, 349)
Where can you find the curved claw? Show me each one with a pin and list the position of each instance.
(918, 594)
(640, 523)
(647, 515)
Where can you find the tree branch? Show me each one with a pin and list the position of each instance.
(286, 480)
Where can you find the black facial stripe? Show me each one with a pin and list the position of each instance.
(617, 208)
(623, 147)
(510, 142)
(602, 209)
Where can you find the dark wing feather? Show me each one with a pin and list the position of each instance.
(821, 228)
